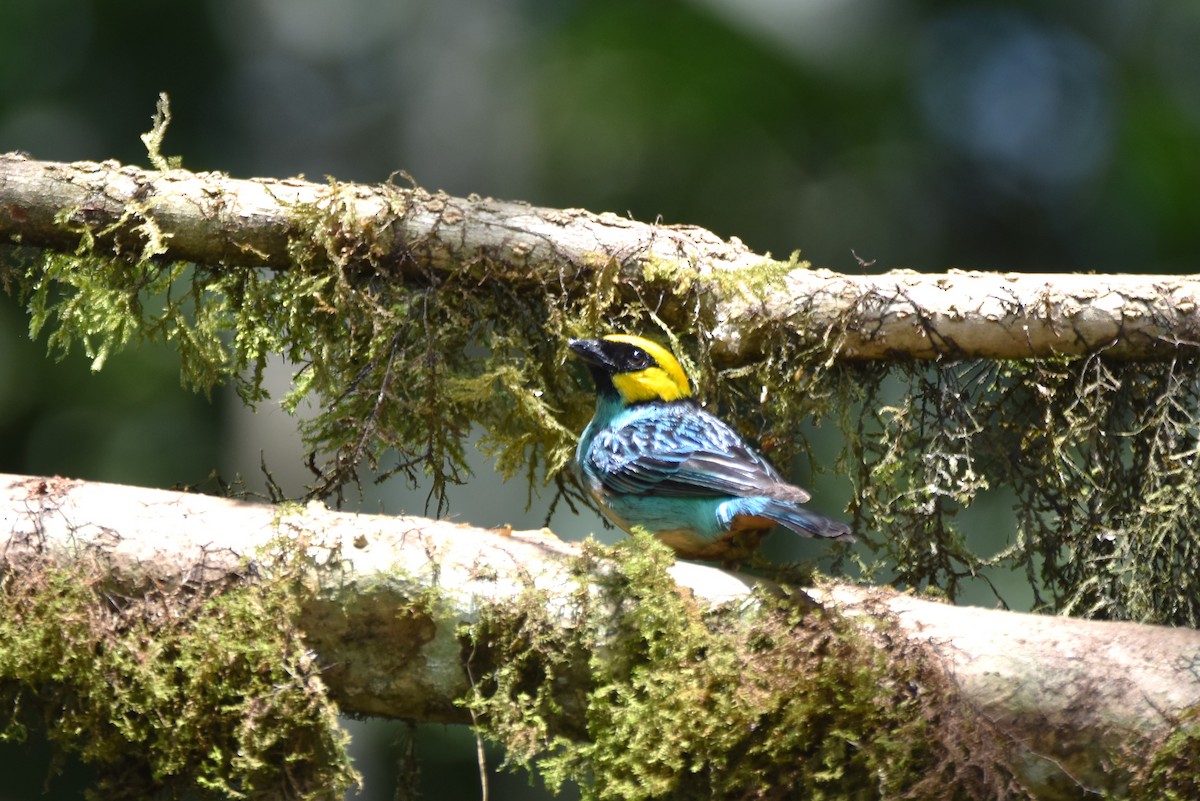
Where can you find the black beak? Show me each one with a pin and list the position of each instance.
(591, 351)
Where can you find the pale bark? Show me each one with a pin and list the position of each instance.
(214, 219)
(1072, 695)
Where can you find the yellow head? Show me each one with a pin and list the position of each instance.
(635, 368)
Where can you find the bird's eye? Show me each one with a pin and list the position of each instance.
(639, 359)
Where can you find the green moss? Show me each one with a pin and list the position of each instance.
(762, 279)
(202, 689)
(768, 702)
(1173, 771)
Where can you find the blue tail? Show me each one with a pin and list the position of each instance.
(787, 514)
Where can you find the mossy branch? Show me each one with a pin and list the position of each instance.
(416, 236)
(563, 653)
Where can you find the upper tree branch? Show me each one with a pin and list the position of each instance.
(1071, 698)
(214, 219)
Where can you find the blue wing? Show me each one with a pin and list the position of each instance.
(679, 450)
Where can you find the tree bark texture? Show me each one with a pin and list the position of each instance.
(1073, 696)
(213, 219)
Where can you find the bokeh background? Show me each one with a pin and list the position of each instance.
(929, 136)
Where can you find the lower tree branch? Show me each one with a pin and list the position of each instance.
(1072, 698)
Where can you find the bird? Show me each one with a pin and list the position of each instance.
(651, 457)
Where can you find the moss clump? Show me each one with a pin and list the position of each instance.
(1173, 771)
(765, 702)
(204, 690)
